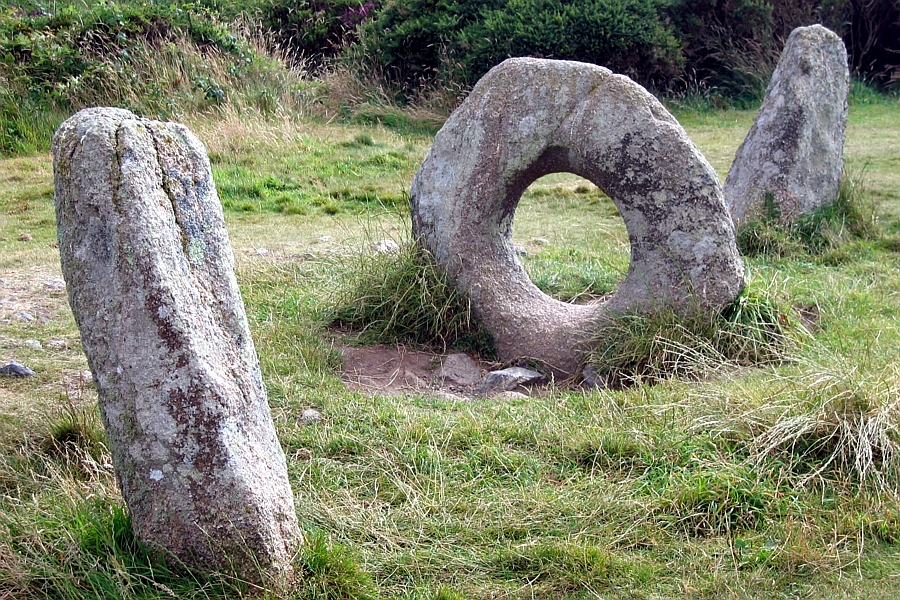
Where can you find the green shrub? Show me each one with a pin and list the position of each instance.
(156, 59)
(415, 41)
(314, 30)
(871, 32)
(728, 48)
(732, 46)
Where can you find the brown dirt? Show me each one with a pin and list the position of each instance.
(397, 370)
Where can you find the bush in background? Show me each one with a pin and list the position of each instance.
(158, 60)
(727, 46)
(315, 30)
(167, 59)
(416, 41)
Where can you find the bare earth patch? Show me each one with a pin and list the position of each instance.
(397, 371)
(39, 293)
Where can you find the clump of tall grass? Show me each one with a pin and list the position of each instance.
(830, 423)
(851, 217)
(650, 346)
(842, 425)
(399, 295)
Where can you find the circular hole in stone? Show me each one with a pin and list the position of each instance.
(571, 239)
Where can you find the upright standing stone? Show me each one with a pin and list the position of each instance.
(150, 275)
(794, 152)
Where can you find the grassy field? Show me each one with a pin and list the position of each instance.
(776, 482)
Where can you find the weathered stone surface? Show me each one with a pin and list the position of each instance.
(459, 369)
(591, 378)
(309, 416)
(150, 276)
(505, 380)
(795, 148)
(16, 369)
(529, 117)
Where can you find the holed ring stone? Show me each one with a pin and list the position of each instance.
(530, 117)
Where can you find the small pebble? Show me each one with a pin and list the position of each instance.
(387, 247)
(34, 344)
(16, 369)
(308, 416)
(510, 395)
(57, 344)
(55, 284)
(540, 241)
(25, 237)
(25, 316)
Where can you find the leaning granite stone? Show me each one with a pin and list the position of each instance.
(529, 117)
(794, 152)
(150, 277)
(505, 380)
(16, 369)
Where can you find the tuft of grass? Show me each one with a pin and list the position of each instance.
(330, 571)
(564, 566)
(842, 425)
(647, 347)
(77, 439)
(851, 217)
(401, 296)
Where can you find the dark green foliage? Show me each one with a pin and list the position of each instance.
(47, 53)
(403, 297)
(313, 30)
(871, 32)
(649, 347)
(729, 48)
(416, 41)
(733, 46)
(851, 217)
